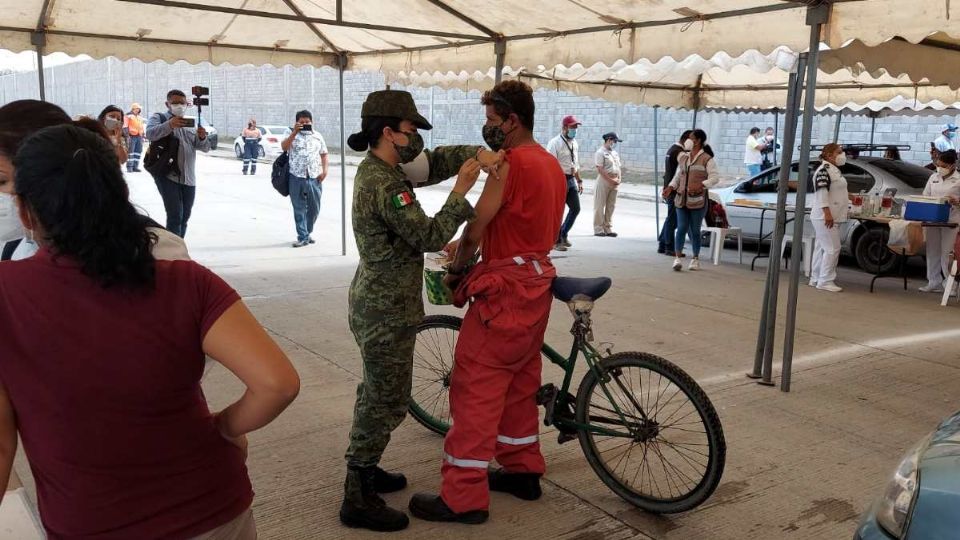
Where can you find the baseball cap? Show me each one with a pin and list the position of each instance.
(394, 104)
(571, 120)
(949, 127)
(611, 135)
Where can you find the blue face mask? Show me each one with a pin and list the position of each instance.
(571, 133)
(951, 134)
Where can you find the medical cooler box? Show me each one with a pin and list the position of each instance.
(929, 209)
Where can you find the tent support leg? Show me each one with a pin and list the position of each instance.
(816, 18)
(763, 360)
(873, 129)
(39, 40)
(836, 130)
(342, 65)
(500, 49)
(656, 169)
(776, 128)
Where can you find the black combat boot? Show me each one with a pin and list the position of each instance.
(362, 508)
(432, 508)
(384, 482)
(524, 486)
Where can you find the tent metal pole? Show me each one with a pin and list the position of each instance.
(342, 64)
(696, 99)
(780, 229)
(873, 129)
(836, 130)
(656, 168)
(500, 49)
(39, 40)
(763, 359)
(816, 18)
(776, 127)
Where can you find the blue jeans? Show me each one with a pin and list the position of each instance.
(573, 207)
(689, 221)
(178, 203)
(134, 149)
(753, 170)
(669, 230)
(305, 198)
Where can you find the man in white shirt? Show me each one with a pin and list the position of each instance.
(607, 161)
(947, 139)
(308, 170)
(753, 156)
(565, 148)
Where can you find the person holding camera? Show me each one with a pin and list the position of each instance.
(178, 184)
(308, 169)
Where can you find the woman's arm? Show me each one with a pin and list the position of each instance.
(8, 439)
(237, 341)
(713, 174)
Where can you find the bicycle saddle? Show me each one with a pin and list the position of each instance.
(567, 289)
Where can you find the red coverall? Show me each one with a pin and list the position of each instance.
(497, 368)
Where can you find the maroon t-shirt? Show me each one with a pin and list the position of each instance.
(105, 384)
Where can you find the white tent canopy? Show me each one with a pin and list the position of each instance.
(750, 81)
(450, 35)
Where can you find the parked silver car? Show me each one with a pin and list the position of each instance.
(867, 243)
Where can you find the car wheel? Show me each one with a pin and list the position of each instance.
(872, 253)
(238, 151)
(263, 153)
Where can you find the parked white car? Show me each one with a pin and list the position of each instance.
(269, 143)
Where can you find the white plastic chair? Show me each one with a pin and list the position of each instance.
(948, 288)
(718, 236)
(809, 242)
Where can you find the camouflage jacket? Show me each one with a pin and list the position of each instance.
(393, 232)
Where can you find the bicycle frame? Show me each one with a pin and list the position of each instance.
(582, 334)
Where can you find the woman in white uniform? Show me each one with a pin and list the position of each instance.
(830, 208)
(943, 183)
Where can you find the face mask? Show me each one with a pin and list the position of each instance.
(944, 172)
(688, 145)
(770, 137)
(612, 145)
(111, 123)
(841, 160)
(10, 226)
(179, 109)
(571, 133)
(951, 134)
(494, 136)
(413, 148)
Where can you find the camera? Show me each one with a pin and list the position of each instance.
(307, 127)
(189, 121)
(199, 93)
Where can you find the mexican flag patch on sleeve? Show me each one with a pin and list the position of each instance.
(402, 199)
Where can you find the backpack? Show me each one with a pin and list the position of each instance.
(278, 176)
(162, 157)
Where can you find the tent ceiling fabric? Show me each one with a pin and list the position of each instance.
(449, 35)
(750, 81)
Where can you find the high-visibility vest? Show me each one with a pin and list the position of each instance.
(134, 125)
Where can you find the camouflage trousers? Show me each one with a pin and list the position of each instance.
(384, 394)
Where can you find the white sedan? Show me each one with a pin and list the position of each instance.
(269, 143)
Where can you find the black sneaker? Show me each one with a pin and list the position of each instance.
(432, 508)
(385, 482)
(601, 234)
(612, 234)
(310, 240)
(524, 486)
(300, 244)
(362, 508)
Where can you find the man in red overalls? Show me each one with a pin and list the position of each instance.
(497, 368)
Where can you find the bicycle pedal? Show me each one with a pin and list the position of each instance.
(565, 437)
(547, 396)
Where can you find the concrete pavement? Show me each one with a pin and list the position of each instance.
(873, 373)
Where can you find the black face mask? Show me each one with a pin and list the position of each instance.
(494, 136)
(413, 148)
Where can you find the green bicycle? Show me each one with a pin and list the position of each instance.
(646, 428)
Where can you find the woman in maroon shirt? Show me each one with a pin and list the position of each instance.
(103, 351)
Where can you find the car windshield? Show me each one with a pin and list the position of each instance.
(912, 175)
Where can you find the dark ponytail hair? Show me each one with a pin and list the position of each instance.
(69, 180)
(19, 119)
(371, 129)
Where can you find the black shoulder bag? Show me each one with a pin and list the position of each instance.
(162, 157)
(278, 176)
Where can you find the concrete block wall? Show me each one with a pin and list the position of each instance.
(272, 95)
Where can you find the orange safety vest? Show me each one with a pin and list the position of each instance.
(133, 124)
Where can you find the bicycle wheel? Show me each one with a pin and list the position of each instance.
(432, 365)
(671, 454)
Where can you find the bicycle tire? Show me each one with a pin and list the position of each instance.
(701, 403)
(427, 374)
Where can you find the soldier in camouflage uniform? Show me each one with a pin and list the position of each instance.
(386, 302)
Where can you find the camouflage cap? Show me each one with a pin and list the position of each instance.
(394, 104)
